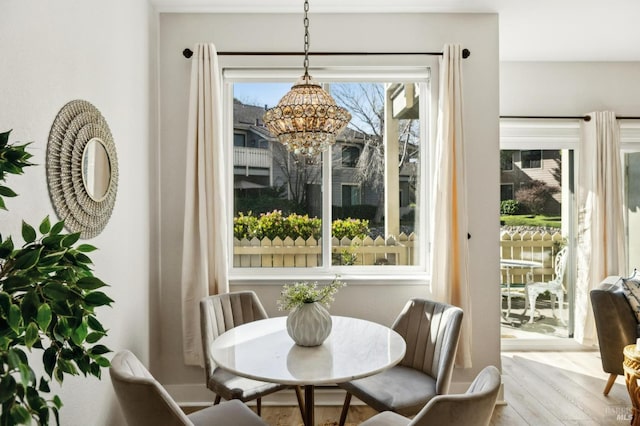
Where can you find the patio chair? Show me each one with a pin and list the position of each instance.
(431, 331)
(222, 312)
(555, 287)
(474, 407)
(146, 403)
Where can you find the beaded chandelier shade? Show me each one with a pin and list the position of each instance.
(307, 119)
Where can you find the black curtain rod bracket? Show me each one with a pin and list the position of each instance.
(188, 53)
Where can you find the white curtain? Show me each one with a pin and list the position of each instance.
(450, 248)
(205, 251)
(601, 229)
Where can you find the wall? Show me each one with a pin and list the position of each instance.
(379, 301)
(54, 52)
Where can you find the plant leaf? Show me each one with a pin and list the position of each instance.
(15, 283)
(4, 138)
(90, 283)
(49, 359)
(80, 333)
(27, 259)
(19, 414)
(45, 225)
(94, 324)
(57, 228)
(44, 316)
(97, 298)
(86, 248)
(28, 233)
(7, 192)
(5, 304)
(94, 337)
(99, 350)
(14, 318)
(56, 291)
(31, 334)
(7, 388)
(70, 239)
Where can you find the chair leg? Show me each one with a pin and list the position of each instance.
(300, 400)
(217, 400)
(259, 406)
(345, 409)
(610, 382)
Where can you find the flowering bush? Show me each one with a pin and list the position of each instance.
(302, 292)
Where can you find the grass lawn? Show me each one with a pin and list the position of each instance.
(531, 220)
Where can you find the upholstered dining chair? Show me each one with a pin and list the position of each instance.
(146, 403)
(474, 407)
(431, 331)
(555, 287)
(222, 312)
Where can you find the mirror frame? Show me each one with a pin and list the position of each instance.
(76, 124)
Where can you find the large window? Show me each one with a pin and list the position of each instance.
(330, 212)
(531, 159)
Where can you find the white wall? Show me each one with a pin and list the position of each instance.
(54, 52)
(381, 32)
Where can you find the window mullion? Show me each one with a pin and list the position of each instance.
(326, 207)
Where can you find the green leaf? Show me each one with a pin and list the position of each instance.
(29, 306)
(57, 402)
(34, 399)
(7, 388)
(15, 283)
(14, 318)
(99, 350)
(57, 228)
(49, 359)
(7, 192)
(90, 283)
(28, 233)
(45, 225)
(79, 334)
(56, 291)
(44, 385)
(27, 375)
(5, 304)
(83, 258)
(94, 324)
(52, 258)
(27, 259)
(102, 361)
(19, 414)
(4, 138)
(71, 239)
(6, 248)
(86, 248)
(44, 316)
(52, 241)
(31, 334)
(97, 298)
(67, 367)
(94, 337)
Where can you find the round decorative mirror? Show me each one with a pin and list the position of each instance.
(82, 168)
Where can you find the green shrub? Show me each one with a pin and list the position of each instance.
(509, 207)
(350, 228)
(275, 224)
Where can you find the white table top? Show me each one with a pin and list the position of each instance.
(520, 263)
(263, 350)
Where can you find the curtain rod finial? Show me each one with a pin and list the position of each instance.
(466, 53)
(187, 53)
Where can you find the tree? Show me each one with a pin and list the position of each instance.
(365, 101)
(297, 171)
(535, 195)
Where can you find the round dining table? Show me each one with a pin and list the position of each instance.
(262, 350)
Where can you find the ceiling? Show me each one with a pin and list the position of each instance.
(530, 30)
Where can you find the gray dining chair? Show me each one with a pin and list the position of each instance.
(220, 313)
(145, 402)
(474, 407)
(431, 331)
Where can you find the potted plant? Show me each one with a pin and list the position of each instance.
(48, 297)
(308, 322)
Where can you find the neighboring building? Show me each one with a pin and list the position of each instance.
(519, 168)
(259, 161)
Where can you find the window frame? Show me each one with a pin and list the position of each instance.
(411, 274)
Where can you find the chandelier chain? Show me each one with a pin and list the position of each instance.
(306, 40)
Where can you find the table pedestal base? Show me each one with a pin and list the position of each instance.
(309, 417)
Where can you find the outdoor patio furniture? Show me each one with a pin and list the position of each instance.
(555, 287)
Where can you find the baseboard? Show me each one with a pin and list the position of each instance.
(199, 396)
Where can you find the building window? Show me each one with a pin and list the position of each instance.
(506, 191)
(531, 159)
(239, 139)
(350, 195)
(306, 192)
(506, 160)
(350, 155)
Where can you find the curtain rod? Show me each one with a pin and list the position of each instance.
(187, 53)
(566, 117)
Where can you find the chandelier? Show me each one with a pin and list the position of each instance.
(307, 119)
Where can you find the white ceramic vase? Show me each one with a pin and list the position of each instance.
(309, 324)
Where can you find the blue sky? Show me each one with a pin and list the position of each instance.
(260, 94)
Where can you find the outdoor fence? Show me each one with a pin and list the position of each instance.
(301, 253)
(534, 246)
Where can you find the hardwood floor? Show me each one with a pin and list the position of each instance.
(540, 389)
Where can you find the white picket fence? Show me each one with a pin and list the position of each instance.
(535, 246)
